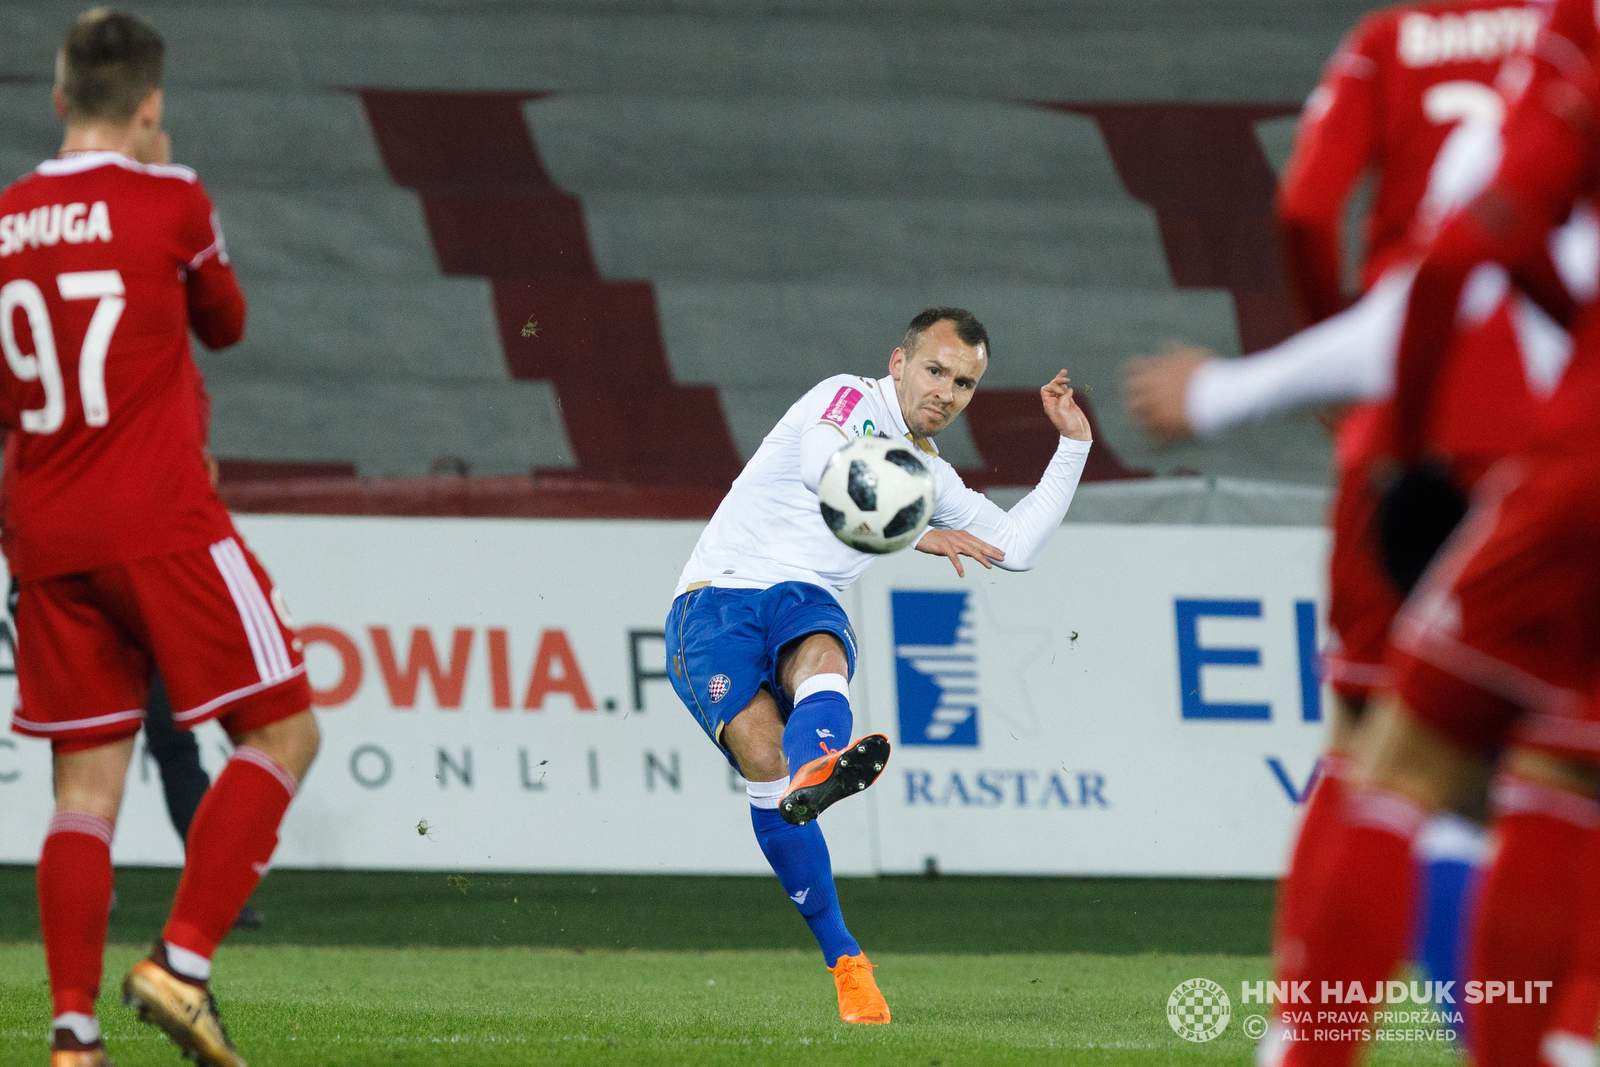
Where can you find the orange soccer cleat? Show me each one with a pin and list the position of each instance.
(829, 779)
(184, 1009)
(66, 1050)
(859, 998)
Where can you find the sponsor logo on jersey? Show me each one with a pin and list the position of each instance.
(718, 687)
(936, 668)
(844, 402)
(73, 223)
(1468, 37)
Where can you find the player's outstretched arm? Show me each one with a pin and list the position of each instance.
(970, 524)
(1191, 391)
(1154, 388)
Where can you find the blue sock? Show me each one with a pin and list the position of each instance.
(1449, 853)
(799, 857)
(820, 722)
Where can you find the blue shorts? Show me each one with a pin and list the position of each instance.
(723, 645)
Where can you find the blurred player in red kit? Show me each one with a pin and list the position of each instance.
(1498, 648)
(1388, 100)
(126, 557)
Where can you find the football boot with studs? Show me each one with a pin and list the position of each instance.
(183, 1008)
(829, 779)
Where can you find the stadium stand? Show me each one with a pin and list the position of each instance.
(587, 254)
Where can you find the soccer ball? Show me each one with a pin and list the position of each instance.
(876, 494)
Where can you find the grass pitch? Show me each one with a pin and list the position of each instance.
(408, 969)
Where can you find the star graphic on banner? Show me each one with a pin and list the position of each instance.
(531, 327)
(1006, 652)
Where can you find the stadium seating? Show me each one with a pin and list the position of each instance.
(610, 246)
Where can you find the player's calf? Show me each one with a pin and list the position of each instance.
(75, 892)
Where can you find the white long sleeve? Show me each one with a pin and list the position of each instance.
(1350, 356)
(817, 445)
(1022, 532)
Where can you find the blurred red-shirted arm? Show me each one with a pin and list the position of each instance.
(202, 400)
(216, 303)
(1334, 148)
(1548, 160)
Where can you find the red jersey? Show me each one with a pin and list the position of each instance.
(105, 265)
(1568, 57)
(1550, 159)
(1386, 102)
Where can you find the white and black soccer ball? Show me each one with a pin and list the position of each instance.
(876, 494)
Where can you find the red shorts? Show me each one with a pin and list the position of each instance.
(1362, 601)
(207, 619)
(1500, 643)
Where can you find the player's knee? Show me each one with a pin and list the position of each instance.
(1557, 772)
(311, 736)
(102, 802)
(1404, 755)
(755, 737)
(759, 754)
(90, 780)
(1349, 711)
(292, 742)
(306, 739)
(817, 653)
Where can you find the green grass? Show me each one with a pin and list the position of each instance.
(318, 1006)
(360, 968)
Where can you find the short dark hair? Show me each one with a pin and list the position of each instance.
(108, 64)
(968, 328)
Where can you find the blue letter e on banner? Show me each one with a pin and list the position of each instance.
(1192, 657)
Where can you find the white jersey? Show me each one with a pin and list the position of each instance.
(769, 529)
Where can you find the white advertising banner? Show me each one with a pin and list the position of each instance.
(492, 697)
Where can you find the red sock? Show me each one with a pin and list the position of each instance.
(1360, 917)
(74, 905)
(230, 843)
(1528, 908)
(1570, 1038)
(1307, 865)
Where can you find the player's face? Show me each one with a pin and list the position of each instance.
(936, 380)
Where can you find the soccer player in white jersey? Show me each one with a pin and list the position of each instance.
(758, 647)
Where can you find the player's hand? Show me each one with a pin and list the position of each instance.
(1065, 414)
(213, 468)
(953, 544)
(1154, 389)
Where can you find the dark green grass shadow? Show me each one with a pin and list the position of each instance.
(891, 914)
